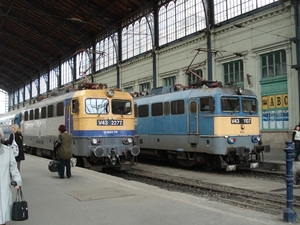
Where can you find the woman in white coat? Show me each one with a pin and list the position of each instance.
(8, 172)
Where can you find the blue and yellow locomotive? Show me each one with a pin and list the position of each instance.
(216, 127)
(101, 121)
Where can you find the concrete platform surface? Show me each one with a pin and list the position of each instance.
(95, 198)
(275, 160)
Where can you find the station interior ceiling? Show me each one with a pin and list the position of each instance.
(36, 35)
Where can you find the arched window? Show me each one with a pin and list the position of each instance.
(53, 75)
(227, 9)
(43, 83)
(66, 73)
(27, 91)
(84, 60)
(171, 22)
(147, 33)
(179, 19)
(105, 54)
(34, 89)
(162, 14)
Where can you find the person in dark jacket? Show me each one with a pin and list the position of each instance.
(63, 151)
(296, 141)
(16, 133)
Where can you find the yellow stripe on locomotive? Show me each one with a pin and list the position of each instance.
(236, 126)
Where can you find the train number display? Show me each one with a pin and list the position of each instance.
(240, 120)
(109, 122)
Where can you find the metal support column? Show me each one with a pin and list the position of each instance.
(296, 40)
(289, 214)
(209, 17)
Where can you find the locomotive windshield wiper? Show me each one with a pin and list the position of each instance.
(250, 112)
(103, 109)
(235, 109)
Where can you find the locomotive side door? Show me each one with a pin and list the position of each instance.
(68, 116)
(206, 115)
(193, 110)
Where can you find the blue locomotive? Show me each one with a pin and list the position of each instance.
(215, 126)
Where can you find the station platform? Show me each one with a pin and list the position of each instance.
(275, 160)
(90, 197)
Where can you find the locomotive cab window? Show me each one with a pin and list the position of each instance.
(36, 113)
(75, 106)
(166, 108)
(96, 106)
(143, 111)
(60, 109)
(31, 113)
(157, 109)
(207, 104)
(177, 107)
(193, 107)
(249, 105)
(121, 107)
(43, 112)
(26, 117)
(230, 104)
(135, 110)
(50, 111)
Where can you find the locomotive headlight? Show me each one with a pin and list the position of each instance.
(255, 139)
(231, 140)
(110, 92)
(94, 141)
(240, 91)
(127, 141)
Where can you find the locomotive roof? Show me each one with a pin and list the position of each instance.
(194, 92)
(48, 101)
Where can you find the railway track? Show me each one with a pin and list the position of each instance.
(260, 201)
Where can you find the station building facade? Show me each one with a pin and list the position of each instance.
(256, 52)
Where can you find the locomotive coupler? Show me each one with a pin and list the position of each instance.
(113, 158)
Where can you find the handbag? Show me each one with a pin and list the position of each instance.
(14, 147)
(20, 207)
(53, 166)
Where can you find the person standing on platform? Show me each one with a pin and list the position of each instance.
(17, 135)
(63, 151)
(296, 141)
(8, 170)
